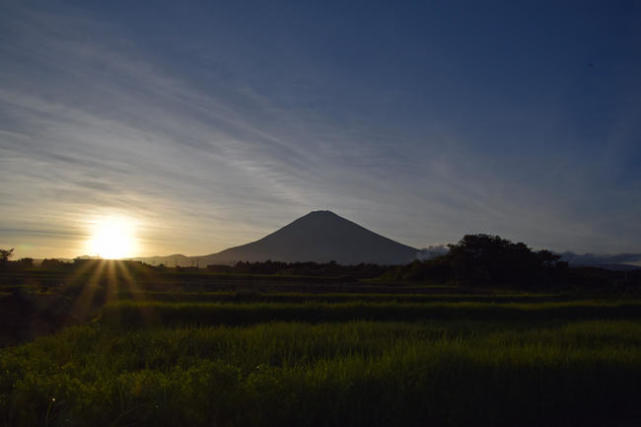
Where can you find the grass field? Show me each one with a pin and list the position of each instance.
(192, 356)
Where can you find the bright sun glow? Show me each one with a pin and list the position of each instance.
(112, 238)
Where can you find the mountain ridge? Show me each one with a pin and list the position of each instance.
(319, 236)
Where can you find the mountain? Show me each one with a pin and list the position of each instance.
(319, 236)
(323, 236)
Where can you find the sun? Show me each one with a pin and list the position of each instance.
(113, 237)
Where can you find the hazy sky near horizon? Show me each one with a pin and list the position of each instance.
(211, 124)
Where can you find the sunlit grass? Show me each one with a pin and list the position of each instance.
(355, 373)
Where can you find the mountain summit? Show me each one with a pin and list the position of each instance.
(319, 236)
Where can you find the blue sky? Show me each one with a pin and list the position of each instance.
(214, 123)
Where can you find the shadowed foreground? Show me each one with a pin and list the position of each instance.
(133, 345)
(355, 373)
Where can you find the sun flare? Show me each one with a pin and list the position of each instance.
(113, 238)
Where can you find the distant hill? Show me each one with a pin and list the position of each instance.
(619, 262)
(319, 236)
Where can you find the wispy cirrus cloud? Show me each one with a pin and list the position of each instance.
(214, 152)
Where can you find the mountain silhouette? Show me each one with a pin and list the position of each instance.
(320, 236)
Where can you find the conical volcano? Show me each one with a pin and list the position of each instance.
(319, 236)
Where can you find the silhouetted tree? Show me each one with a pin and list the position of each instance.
(5, 254)
(482, 259)
(54, 264)
(487, 259)
(26, 262)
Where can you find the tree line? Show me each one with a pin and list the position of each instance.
(480, 260)
(485, 260)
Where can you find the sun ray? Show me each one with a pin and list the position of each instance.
(112, 282)
(136, 291)
(71, 279)
(145, 270)
(84, 267)
(129, 280)
(83, 304)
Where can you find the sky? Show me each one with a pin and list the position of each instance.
(210, 124)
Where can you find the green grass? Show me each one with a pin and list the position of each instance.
(138, 314)
(354, 373)
(331, 297)
(268, 353)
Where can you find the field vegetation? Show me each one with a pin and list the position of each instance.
(108, 343)
(339, 373)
